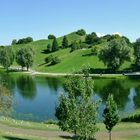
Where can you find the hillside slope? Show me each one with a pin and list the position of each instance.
(70, 61)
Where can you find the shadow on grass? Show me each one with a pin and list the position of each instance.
(13, 138)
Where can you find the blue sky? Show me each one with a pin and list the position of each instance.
(38, 18)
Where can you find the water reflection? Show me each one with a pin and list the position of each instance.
(116, 88)
(37, 96)
(26, 86)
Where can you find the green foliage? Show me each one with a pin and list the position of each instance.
(51, 36)
(110, 114)
(55, 46)
(6, 100)
(115, 54)
(49, 59)
(77, 112)
(49, 48)
(6, 57)
(95, 50)
(81, 32)
(52, 60)
(24, 57)
(92, 39)
(65, 43)
(74, 46)
(132, 118)
(55, 60)
(137, 53)
(25, 40)
(14, 42)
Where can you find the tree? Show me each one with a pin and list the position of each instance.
(92, 39)
(6, 100)
(25, 40)
(14, 42)
(24, 57)
(65, 43)
(110, 114)
(49, 59)
(137, 53)
(52, 60)
(51, 36)
(81, 32)
(115, 54)
(55, 45)
(49, 48)
(74, 46)
(76, 111)
(6, 57)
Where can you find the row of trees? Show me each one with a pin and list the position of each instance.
(55, 46)
(77, 110)
(23, 57)
(22, 41)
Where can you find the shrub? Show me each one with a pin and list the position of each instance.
(48, 59)
(55, 60)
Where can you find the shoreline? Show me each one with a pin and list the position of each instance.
(33, 72)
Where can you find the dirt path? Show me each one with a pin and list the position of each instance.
(52, 134)
(32, 132)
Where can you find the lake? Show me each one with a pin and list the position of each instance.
(35, 97)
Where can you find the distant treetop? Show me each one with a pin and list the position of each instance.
(51, 36)
(22, 41)
(81, 32)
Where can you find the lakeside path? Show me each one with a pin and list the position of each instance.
(59, 135)
(33, 72)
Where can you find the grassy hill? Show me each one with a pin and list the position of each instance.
(70, 61)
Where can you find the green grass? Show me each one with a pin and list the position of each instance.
(121, 127)
(69, 61)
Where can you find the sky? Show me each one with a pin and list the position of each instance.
(38, 18)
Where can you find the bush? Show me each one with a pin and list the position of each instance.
(52, 60)
(48, 59)
(51, 36)
(55, 60)
(25, 40)
(132, 118)
(81, 32)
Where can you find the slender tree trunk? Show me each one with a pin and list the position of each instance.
(109, 135)
(75, 132)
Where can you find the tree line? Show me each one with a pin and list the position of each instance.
(23, 57)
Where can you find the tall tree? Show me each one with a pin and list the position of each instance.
(6, 57)
(55, 46)
(77, 112)
(137, 53)
(65, 43)
(115, 54)
(24, 57)
(110, 114)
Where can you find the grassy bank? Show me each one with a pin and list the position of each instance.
(124, 131)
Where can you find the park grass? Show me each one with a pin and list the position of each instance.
(120, 128)
(70, 61)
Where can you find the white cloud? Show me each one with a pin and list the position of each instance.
(100, 34)
(117, 33)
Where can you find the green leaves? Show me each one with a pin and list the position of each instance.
(111, 117)
(115, 54)
(24, 57)
(77, 111)
(6, 57)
